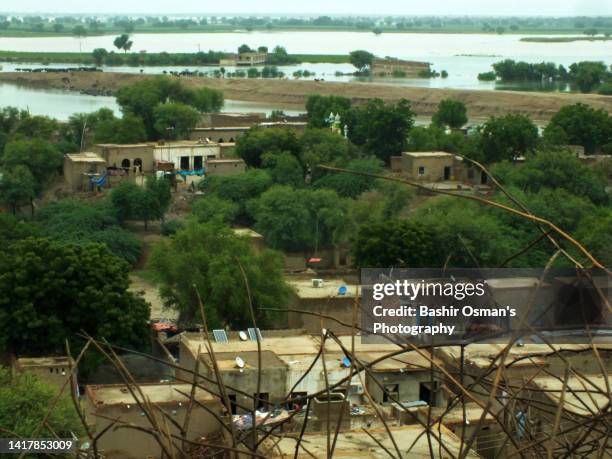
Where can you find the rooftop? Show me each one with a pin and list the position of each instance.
(124, 145)
(585, 395)
(186, 143)
(427, 154)
(358, 444)
(118, 394)
(330, 289)
(226, 160)
(85, 157)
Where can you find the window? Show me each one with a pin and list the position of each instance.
(263, 402)
(391, 392)
(427, 392)
(297, 401)
(470, 173)
(197, 162)
(421, 171)
(184, 163)
(233, 405)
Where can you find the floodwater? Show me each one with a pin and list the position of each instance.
(463, 56)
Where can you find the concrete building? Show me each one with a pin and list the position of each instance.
(257, 240)
(324, 296)
(397, 66)
(429, 166)
(108, 402)
(130, 158)
(286, 357)
(53, 371)
(244, 59)
(186, 155)
(411, 440)
(227, 166)
(79, 167)
(223, 134)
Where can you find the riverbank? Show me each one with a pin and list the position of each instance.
(562, 39)
(293, 94)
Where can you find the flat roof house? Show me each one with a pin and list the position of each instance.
(429, 166)
(79, 167)
(115, 401)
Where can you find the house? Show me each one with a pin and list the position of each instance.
(106, 403)
(53, 371)
(186, 155)
(223, 134)
(293, 368)
(244, 59)
(129, 158)
(390, 66)
(227, 166)
(333, 297)
(256, 239)
(79, 168)
(428, 166)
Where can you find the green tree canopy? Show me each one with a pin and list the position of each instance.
(380, 129)
(319, 108)
(123, 42)
(50, 291)
(257, 141)
(508, 137)
(583, 125)
(212, 207)
(303, 219)
(174, 120)
(17, 187)
(396, 243)
(451, 113)
(361, 59)
(349, 185)
(25, 401)
(209, 256)
(40, 156)
(284, 168)
(322, 146)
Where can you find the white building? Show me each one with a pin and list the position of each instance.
(186, 155)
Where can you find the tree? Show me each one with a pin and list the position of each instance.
(508, 137)
(350, 185)
(258, 140)
(123, 42)
(583, 125)
(207, 100)
(301, 219)
(395, 243)
(51, 291)
(25, 401)
(284, 168)
(79, 31)
(129, 129)
(212, 207)
(588, 75)
(57, 27)
(244, 49)
(175, 120)
(451, 113)
(98, 55)
(17, 187)
(40, 156)
(555, 169)
(77, 222)
(208, 257)
(322, 146)
(381, 129)
(318, 108)
(361, 59)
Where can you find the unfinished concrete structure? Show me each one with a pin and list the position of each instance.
(226, 166)
(53, 371)
(80, 167)
(109, 402)
(133, 158)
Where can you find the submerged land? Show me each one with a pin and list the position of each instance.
(293, 94)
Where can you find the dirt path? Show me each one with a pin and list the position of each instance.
(293, 94)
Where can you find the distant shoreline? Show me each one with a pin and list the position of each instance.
(563, 39)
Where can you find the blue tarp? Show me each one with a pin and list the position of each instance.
(198, 172)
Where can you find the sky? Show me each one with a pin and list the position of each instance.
(317, 7)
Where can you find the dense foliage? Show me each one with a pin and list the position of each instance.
(208, 257)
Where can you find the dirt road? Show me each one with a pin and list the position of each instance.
(293, 94)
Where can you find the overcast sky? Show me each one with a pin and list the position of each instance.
(317, 7)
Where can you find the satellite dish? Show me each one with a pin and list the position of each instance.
(243, 336)
(342, 290)
(239, 362)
